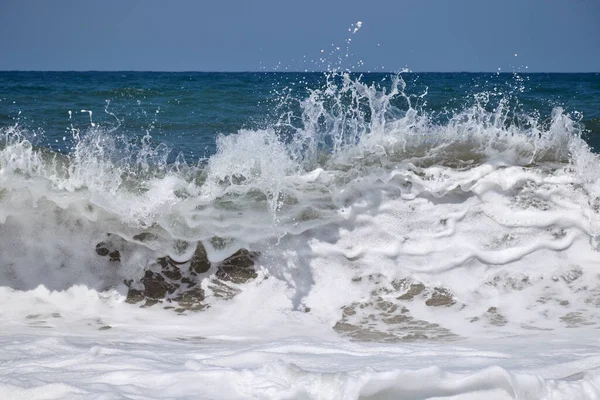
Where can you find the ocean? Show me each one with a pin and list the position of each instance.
(311, 235)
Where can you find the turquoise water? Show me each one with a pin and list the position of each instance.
(186, 111)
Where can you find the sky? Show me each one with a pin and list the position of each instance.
(286, 35)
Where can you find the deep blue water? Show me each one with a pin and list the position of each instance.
(187, 110)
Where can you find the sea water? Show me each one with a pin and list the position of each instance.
(299, 235)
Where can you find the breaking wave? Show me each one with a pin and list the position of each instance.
(392, 223)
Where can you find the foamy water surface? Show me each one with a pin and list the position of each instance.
(359, 245)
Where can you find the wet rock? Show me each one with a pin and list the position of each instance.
(109, 248)
(415, 289)
(238, 268)
(348, 311)
(134, 296)
(440, 298)
(191, 299)
(172, 273)
(115, 256)
(155, 286)
(102, 249)
(199, 263)
(344, 327)
(386, 306)
(149, 303)
(169, 281)
(383, 320)
(169, 268)
(188, 281)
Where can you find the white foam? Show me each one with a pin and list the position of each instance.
(158, 367)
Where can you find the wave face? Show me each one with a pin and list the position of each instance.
(386, 218)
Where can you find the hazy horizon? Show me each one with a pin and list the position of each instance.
(268, 35)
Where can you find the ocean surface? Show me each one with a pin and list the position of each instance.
(299, 235)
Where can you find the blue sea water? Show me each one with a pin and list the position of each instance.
(186, 111)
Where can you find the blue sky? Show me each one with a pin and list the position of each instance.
(227, 35)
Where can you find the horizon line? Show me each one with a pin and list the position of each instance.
(298, 72)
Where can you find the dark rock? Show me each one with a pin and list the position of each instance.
(134, 296)
(167, 282)
(101, 249)
(155, 286)
(188, 282)
(149, 303)
(115, 256)
(169, 269)
(191, 299)
(172, 273)
(199, 263)
(238, 268)
(106, 249)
